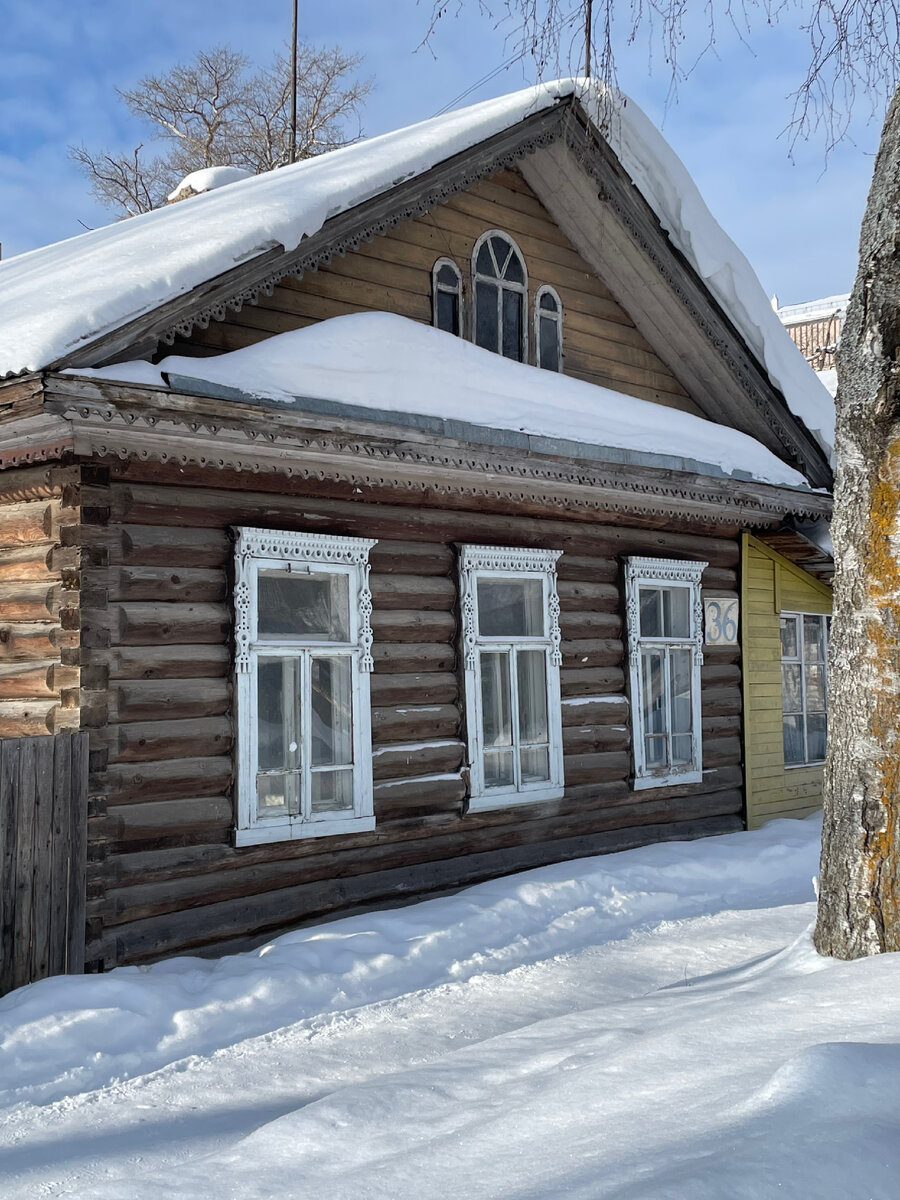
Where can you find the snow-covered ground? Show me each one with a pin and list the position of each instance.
(649, 1025)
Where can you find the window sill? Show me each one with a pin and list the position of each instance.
(657, 781)
(814, 762)
(301, 831)
(495, 800)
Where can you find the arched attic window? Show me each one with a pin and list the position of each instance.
(446, 296)
(501, 296)
(548, 329)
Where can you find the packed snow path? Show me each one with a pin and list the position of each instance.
(652, 1024)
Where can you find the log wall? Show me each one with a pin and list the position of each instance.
(156, 637)
(393, 274)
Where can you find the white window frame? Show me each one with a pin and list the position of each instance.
(437, 286)
(501, 562)
(667, 573)
(557, 319)
(500, 283)
(277, 550)
(800, 660)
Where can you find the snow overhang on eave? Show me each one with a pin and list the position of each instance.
(204, 426)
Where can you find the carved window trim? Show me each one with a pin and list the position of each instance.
(502, 285)
(503, 562)
(438, 286)
(663, 573)
(274, 550)
(554, 318)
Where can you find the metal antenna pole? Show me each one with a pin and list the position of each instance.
(587, 38)
(292, 153)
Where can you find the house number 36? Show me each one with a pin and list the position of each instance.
(721, 621)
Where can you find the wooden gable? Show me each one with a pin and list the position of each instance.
(393, 273)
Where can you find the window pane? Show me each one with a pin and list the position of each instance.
(680, 690)
(813, 644)
(448, 276)
(815, 688)
(791, 688)
(278, 713)
(331, 712)
(514, 271)
(651, 612)
(794, 751)
(655, 751)
(331, 791)
(789, 645)
(314, 607)
(815, 736)
(498, 769)
(510, 608)
(548, 302)
(486, 320)
(549, 344)
(495, 699)
(512, 324)
(501, 249)
(278, 795)
(534, 763)
(682, 750)
(531, 677)
(676, 612)
(484, 264)
(653, 669)
(448, 312)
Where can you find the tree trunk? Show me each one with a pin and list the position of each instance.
(859, 890)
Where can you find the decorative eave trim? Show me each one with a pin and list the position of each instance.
(381, 457)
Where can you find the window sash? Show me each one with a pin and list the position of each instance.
(500, 316)
(804, 719)
(518, 747)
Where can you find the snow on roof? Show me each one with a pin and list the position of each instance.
(61, 297)
(379, 362)
(814, 310)
(207, 180)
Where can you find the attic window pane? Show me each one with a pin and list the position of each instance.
(512, 324)
(501, 249)
(448, 312)
(548, 302)
(486, 331)
(549, 347)
(484, 264)
(514, 272)
(448, 276)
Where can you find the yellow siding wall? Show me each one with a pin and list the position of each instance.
(771, 585)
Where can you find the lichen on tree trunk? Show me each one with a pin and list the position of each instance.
(859, 882)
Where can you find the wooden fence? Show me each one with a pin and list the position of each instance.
(43, 842)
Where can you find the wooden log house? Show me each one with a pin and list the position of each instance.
(330, 656)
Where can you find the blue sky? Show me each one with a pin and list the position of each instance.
(797, 222)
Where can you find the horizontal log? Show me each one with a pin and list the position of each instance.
(445, 792)
(722, 751)
(716, 675)
(170, 546)
(579, 626)
(721, 701)
(409, 657)
(161, 504)
(596, 710)
(36, 601)
(164, 662)
(417, 688)
(193, 927)
(28, 521)
(413, 592)
(168, 699)
(26, 718)
(597, 768)
(149, 741)
(127, 783)
(714, 781)
(410, 723)
(719, 580)
(137, 624)
(40, 561)
(590, 739)
(32, 642)
(721, 726)
(161, 584)
(592, 652)
(175, 822)
(591, 681)
(19, 681)
(589, 568)
(417, 758)
(407, 626)
(584, 596)
(411, 558)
